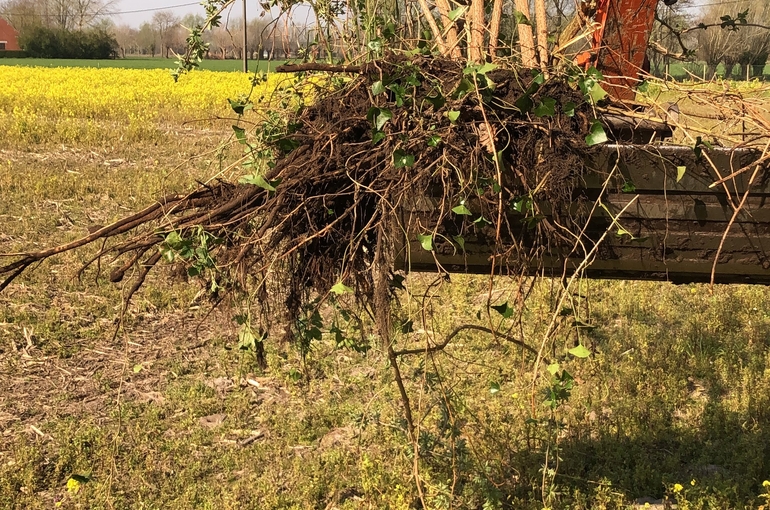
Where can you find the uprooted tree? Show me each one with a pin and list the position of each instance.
(319, 216)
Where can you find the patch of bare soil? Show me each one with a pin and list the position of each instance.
(88, 376)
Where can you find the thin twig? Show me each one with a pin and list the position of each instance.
(457, 331)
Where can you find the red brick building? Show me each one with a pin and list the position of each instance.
(8, 36)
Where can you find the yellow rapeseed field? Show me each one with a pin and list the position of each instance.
(39, 104)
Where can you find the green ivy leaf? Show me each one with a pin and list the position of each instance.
(340, 288)
(494, 387)
(378, 88)
(286, 145)
(504, 309)
(537, 80)
(454, 14)
(437, 101)
(239, 107)
(453, 115)
(377, 136)
(246, 339)
(240, 134)
(522, 205)
(399, 91)
(460, 240)
(680, 170)
(597, 134)
(401, 159)
(259, 180)
(485, 68)
(520, 18)
(524, 104)
(462, 88)
(580, 351)
(434, 141)
(597, 93)
(426, 240)
(547, 108)
(553, 368)
(569, 109)
(590, 87)
(697, 148)
(628, 187)
(462, 209)
(389, 31)
(379, 117)
(81, 478)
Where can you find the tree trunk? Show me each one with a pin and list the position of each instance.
(450, 29)
(526, 40)
(494, 28)
(542, 33)
(426, 12)
(475, 18)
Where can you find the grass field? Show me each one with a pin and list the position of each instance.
(691, 70)
(141, 63)
(673, 402)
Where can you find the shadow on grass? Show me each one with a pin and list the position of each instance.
(726, 456)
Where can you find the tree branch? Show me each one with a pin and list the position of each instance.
(317, 66)
(728, 26)
(456, 332)
(678, 34)
(656, 47)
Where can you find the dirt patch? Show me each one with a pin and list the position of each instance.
(89, 375)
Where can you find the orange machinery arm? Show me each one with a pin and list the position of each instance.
(619, 44)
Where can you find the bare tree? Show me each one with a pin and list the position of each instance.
(127, 38)
(64, 14)
(165, 22)
(665, 36)
(86, 12)
(21, 14)
(147, 39)
(258, 31)
(745, 42)
(221, 41)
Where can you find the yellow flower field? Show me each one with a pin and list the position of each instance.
(63, 105)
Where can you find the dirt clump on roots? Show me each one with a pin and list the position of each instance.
(481, 141)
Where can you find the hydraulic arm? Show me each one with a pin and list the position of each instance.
(622, 30)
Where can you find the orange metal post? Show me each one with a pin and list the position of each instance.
(620, 44)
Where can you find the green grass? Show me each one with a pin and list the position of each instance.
(141, 63)
(679, 71)
(677, 387)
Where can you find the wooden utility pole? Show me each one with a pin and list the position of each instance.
(245, 54)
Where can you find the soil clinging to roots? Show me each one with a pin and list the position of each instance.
(330, 208)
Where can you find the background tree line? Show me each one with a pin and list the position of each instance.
(62, 28)
(83, 29)
(165, 34)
